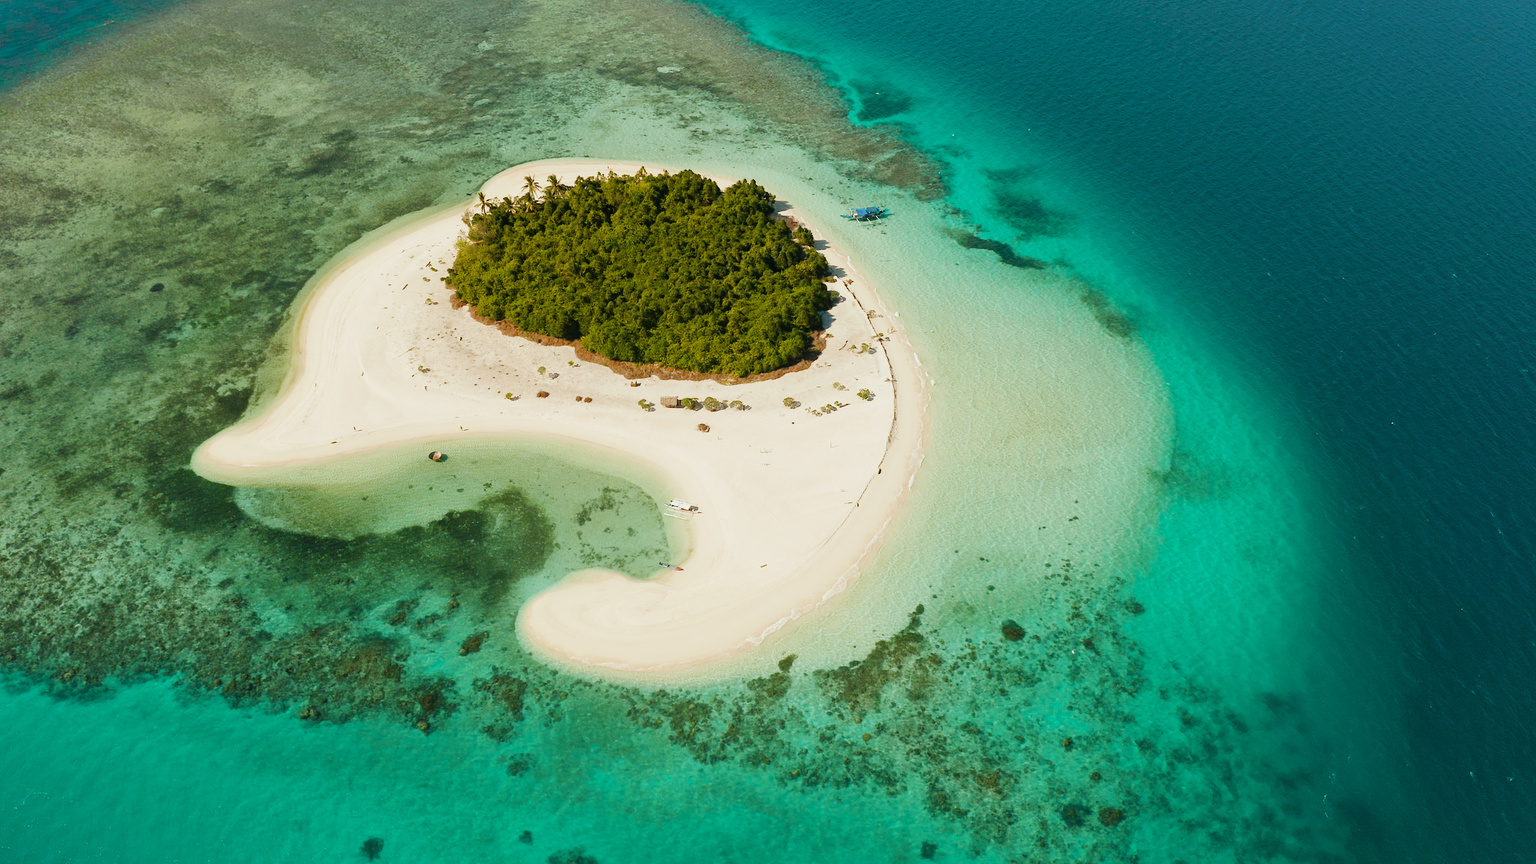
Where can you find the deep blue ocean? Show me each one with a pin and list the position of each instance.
(1342, 197)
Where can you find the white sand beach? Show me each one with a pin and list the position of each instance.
(790, 505)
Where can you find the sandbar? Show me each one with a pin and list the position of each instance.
(791, 505)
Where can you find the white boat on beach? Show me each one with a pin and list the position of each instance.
(680, 509)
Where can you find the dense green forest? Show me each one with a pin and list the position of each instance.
(647, 268)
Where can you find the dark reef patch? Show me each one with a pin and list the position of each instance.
(1003, 251)
(182, 501)
(479, 554)
(1015, 203)
(856, 687)
(1115, 322)
(1027, 215)
(1109, 817)
(506, 693)
(473, 643)
(878, 101)
(1188, 477)
(1075, 815)
(334, 152)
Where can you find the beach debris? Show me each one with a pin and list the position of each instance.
(740, 405)
(703, 427)
(713, 404)
(669, 566)
(838, 385)
(789, 402)
(437, 456)
(372, 847)
(542, 394)
(646, 406)
(586, 398)
(867, 395)
(671, 402)
(510, 397)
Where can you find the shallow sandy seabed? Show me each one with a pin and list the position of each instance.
(789, 503)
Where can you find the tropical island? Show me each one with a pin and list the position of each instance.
(791, 493)
(661, 269)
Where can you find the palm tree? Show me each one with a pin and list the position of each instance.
(553, 188)
(530, 186)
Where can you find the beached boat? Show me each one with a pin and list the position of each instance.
(680, 509)
(867, 214)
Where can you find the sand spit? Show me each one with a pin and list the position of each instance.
(790, 504)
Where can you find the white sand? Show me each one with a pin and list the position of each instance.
(790, 504)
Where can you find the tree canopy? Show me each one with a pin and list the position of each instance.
(644, 268)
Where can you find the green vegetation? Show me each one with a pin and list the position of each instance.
(866, 395)
(661, 269)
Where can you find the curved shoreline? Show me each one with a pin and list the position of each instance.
(792, 505)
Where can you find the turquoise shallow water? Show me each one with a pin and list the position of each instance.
(1251, 639)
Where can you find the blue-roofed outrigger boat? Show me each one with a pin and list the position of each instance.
(867, 214)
